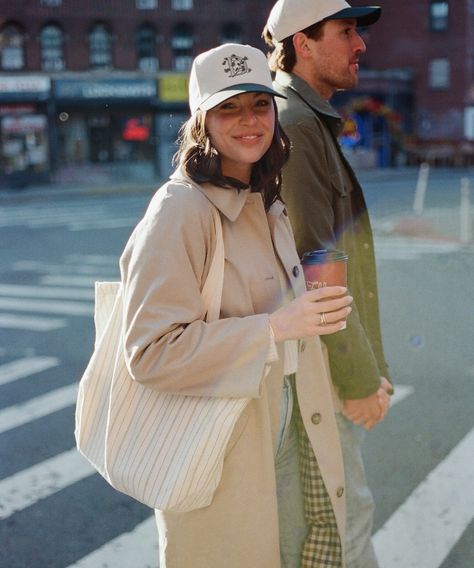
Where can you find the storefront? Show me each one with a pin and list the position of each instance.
(24, 135)
(105, 128)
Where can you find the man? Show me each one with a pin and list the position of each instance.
(327, 210)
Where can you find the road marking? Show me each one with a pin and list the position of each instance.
(29, 486)
(101, 224)
(44, 292)
(121, 552)
(22, 368)
(36, 266)
(400, 248)
(62, 280)
(11, 321)
(63, 308)
(424, 529)
(38, 407)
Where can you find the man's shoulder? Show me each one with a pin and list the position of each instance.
(293, 110)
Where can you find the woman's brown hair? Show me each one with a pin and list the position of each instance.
(201, 161)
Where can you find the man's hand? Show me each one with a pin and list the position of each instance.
(369, 411)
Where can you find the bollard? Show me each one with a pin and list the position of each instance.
(421, 186)
(465, 235)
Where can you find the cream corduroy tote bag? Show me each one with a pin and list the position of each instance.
(164, 450)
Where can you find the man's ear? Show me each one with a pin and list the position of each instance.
(300, 45)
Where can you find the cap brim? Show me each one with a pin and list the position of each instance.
(235, 90)
(365, 16)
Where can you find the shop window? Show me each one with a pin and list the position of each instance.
(182, 4)
(146, 48)
(12, 47)
(52, 48)
(24, 143)
(100, 47)
(231, 33)
(439, 73)
(182, 43)
(439, 12)
(146, 4)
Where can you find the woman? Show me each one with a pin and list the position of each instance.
(230, 156)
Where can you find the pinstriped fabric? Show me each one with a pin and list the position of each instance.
(165, 450)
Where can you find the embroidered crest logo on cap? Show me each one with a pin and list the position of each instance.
(290, 16)
(226, 71)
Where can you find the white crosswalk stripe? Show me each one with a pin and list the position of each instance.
(38, 407)
(27, 323)
(74, 217)
(403, 248)
(29, 486)
(26, 367)
(422, 532)
(65, 289)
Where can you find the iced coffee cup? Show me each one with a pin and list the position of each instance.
(324, 268)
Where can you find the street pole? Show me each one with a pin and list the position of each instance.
(421, 186)
(465, 213)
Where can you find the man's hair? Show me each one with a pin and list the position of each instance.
(283, 56)
(201, 161)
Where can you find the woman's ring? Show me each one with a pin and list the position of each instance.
(322, 319)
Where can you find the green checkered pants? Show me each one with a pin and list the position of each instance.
(322, 547)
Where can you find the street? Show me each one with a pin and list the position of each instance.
(56, 513)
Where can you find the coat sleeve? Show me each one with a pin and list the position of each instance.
(308, 194)
(168, 344)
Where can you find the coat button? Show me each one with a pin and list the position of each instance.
(302, 345)
(316, 418)
(296, 271)
(371, 295)
(366, 246)
(340, 491)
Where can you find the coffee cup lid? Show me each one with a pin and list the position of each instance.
(322, 256)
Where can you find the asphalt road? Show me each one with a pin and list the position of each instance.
(55, 513)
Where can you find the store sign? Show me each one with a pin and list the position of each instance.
(104, 89)
(25, 84)
(173, 88)
(24, 124)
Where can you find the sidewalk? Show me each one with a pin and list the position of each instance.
(437, 225)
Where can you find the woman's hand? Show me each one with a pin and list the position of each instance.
(316, 312)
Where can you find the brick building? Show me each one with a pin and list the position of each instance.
(423, 50)
(98, 87)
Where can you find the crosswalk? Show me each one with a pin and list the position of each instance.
(61, 292)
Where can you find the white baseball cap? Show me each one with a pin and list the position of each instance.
(226, 71)
(290, 16)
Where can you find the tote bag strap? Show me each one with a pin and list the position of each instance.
(212, 290)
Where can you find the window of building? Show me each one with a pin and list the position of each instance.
(100, 47)
(439, 73)
(52, 48)
(12, 49)
(51, 3)
(182, 43)
(439, 12)
(146, 48)
(182, 4)
(231, 33)
(146, 4)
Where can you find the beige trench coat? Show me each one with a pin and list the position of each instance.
(169, 347)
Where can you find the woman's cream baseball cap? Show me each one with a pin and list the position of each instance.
(290, 16)
(226, 71)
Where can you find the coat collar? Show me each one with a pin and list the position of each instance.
(229, 202)
(305, 92)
